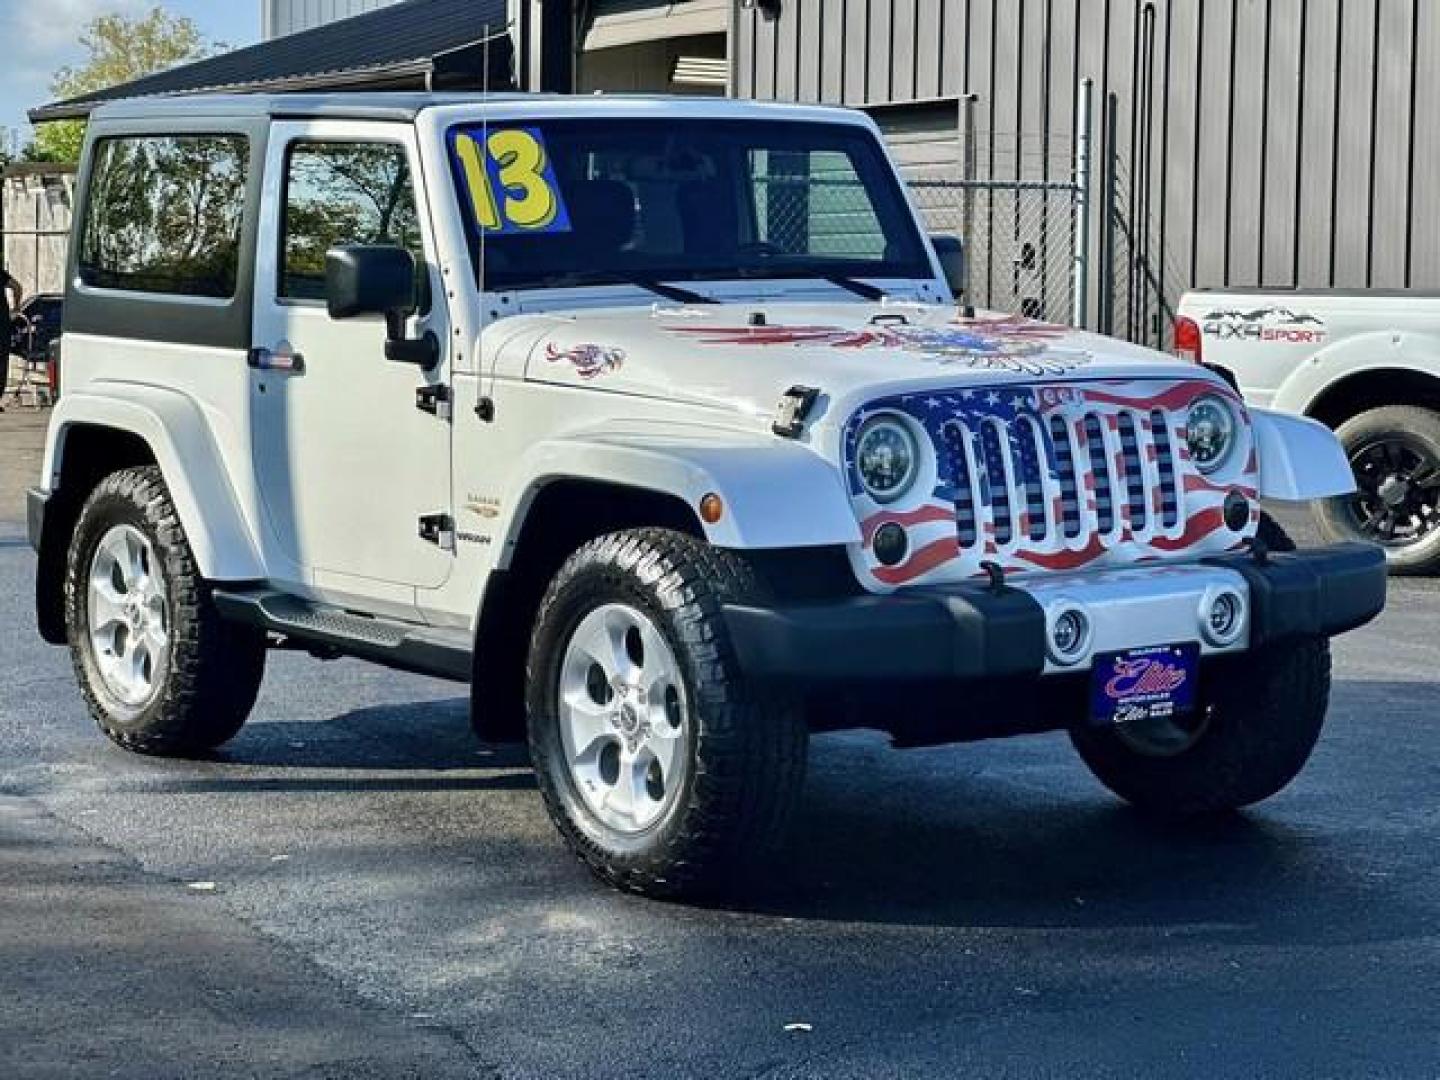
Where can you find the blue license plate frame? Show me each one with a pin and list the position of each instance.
(1157, 682)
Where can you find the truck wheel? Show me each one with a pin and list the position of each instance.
(666, 772)
(1395, 452)
(1256, 726)
(161, 672)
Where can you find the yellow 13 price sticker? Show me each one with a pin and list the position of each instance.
(512, 185)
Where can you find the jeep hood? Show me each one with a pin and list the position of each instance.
(743, 357)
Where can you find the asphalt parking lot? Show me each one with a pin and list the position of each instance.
(379, 895)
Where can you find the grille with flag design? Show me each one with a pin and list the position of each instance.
(1053, 477)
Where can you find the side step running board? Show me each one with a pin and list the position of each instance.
(426, 650)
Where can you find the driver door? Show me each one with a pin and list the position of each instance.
(346, 463)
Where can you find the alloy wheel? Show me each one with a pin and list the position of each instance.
(129, 616)
(623, 718)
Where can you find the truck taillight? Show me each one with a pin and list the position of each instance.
(1189, 343)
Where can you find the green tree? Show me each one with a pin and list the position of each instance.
(121, 48)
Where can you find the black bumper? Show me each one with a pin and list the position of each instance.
(36, 502)
(974, 632)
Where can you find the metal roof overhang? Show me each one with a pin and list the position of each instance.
(614, 23)
(429, 45)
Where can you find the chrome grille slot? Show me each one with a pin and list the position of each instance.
(967, 526)
(993, 444)
(1100, 472)
(1069, 481)
(1133, 478)
(1032, 467)
(1168, 490)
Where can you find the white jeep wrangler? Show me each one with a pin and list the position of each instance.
(657, 422)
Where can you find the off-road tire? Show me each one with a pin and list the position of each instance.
(1265, 712)
(1333, 516)
(213, 669)
(748, 743)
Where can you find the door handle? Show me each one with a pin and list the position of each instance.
(283, 359)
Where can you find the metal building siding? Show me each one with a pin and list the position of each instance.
(1284, 141)
(281, 17)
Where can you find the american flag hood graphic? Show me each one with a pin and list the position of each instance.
(1051, 476)
(1043, 448)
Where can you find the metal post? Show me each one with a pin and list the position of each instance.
(1080, 289)
(1108, 211)
(39, 225)
(967, 184)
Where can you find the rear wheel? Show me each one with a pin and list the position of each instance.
(666, 771)
(1259, 718)
(160, 671)
(1395, 452)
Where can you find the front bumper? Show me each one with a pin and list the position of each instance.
(976, 632)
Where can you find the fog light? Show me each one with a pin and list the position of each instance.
(891, 545)
(1069, 636)
(1237, 511)
(1223, 617)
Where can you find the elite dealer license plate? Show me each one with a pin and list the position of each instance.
(1153, 683)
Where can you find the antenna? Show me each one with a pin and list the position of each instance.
(485, 403)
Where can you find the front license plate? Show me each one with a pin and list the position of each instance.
(1154, 683)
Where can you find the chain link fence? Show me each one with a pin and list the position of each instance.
(1146, 276)
(1022, 226)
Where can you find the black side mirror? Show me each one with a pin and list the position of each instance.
(369, 281)
(361, 280)
(950, 251)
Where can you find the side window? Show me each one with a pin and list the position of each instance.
(338, 194)
(164, 215)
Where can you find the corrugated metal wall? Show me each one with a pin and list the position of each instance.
(281, 17)
(1288, 140)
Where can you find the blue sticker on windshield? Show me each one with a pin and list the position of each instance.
(510, 181)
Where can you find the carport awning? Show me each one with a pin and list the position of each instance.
(415, 45)
(629, 22)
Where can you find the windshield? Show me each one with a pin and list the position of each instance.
(687, 199)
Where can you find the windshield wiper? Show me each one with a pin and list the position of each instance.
(672, 292)
(667, 292)
(862, 289)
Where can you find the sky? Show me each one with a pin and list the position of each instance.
(39, 36)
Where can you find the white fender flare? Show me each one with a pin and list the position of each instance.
(1300, 459)
(1381, 350)
(175, 429)
(776, 494)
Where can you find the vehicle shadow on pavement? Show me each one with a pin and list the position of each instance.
(1017, 835)
(362, 751)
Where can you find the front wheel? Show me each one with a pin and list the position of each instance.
(666, 771)
(1395, 453)
(1258, 721)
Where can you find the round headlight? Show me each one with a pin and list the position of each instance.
(1210, 432)
(887, 457)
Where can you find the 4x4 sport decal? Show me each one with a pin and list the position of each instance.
(1266, 324)
(510, 180)
(1023, 346)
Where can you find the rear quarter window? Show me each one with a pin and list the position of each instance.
(164, 215)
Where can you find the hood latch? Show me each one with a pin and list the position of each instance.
(795, 407)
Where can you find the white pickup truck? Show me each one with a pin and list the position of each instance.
(1365, 363)
(656, 422)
